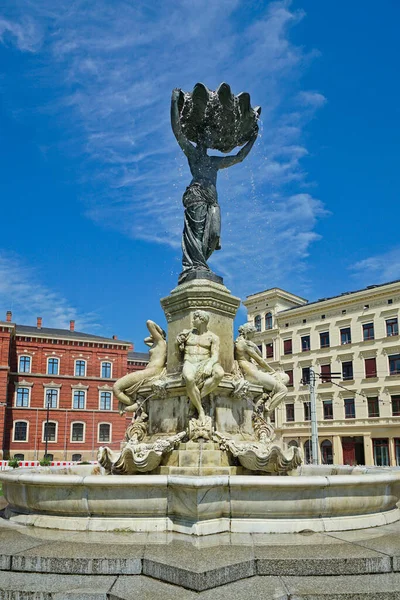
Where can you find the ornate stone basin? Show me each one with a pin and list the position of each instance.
(316, 498)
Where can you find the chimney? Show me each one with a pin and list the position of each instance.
(8, 316)
(72, 325)
(39, 323)
(115, 337)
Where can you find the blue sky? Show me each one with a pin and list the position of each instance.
(92, 178)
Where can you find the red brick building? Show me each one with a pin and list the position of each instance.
(57, 384)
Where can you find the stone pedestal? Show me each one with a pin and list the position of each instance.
(201, 294)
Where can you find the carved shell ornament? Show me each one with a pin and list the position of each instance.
(219, 120)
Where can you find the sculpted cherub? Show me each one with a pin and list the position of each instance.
(201, 371)
(257, 370)
(126, 388)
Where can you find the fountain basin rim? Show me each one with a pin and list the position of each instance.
(42, 476)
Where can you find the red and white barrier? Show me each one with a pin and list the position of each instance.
(35, 463)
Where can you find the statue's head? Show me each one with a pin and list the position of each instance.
(200, 317)
(247, 330)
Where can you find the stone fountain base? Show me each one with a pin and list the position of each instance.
(82, 498)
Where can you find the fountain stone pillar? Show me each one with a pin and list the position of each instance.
(201, 294)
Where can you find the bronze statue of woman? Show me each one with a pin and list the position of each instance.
(202, 220)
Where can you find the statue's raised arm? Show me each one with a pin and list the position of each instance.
(182, 140)
(223, 162)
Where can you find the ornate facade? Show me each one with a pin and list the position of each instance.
(352, 343)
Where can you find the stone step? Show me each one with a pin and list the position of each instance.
(18, 586)
(112, 566)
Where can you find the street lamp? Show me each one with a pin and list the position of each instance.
(46, 429)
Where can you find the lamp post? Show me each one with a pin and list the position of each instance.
(46, 429)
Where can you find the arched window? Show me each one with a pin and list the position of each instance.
(19, 457)
(327, 452)
(80, 368)
(24, 364)
(20, 431)
(77, 432)
(268, 321)
(104, 432)
(307, 452)
(49, 430)
(293, 444)
(22, 397)
(257, 322)
(106, 370)
(105, 400)
(53, 366)
(51, 399)
(76, 457)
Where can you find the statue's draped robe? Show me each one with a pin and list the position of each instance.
(202, 227)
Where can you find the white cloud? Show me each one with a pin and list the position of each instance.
(27, 298)
(26, 35)
(379, 268)
(114, 65)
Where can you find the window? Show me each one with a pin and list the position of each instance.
(394, 364)
(324, 339)
(307, 411)
(105, 400)
(290, 412)
(368, 331)
(79, 399)
(290, 374)
(24, 364)
(104, 432)
(305, 343)
(390, 301)
(349, 408)
(50, 429)
(370, 367)
(347, 370)
(22, 397)
(397, 450)
(52, 366)
(345, 335)
(76, 457)
(80, 368)
(270, 350)
(326, 373)
(260, 349)
(395, 406)
(77, 432)
(51, 398)
(19, 457)
(272, 417)
(305, 375)
(327, 452)
(381, 452)
(392, 327)
(257, 322)
(287, 347)
(268, 321)
(50, 457)
(373, 407)
(106, 370)
(20, 431)
(328, 409)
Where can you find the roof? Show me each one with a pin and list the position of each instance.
(138, 356)
(368, 288)
(30, 330)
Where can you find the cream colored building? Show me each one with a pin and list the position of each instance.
(354, 337)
